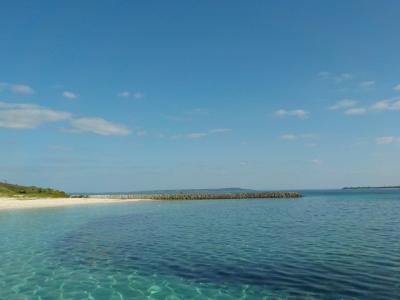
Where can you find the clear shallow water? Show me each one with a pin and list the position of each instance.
(329, 245)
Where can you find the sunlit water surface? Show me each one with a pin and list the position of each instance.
(328, 245)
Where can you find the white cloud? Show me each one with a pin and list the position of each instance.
(21, 89)
(367, 84)
(385, 140)
(27, 116)
(299, 113)
(397, 88)
(127, 94)
(387, 105)
(379, 106)
(99, 126)
(356, 111)
(342, 104)
(196, 135)
(69, 95)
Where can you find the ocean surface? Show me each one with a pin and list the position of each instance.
(328, 245)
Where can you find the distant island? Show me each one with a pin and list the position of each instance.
(371, 187)
(20, 191)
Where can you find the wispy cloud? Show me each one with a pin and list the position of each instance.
(69, 95)
(98, 126)
(343, 104)
(385, 140)
(138, 95)
(220, 130)
(295, 137)
(199, 135)
(173, 137)
(325, 75)
(348, 106)
(387, 105)
(124, 94)
(397, 88)
(367, 84)
(196, 135)
(21, 89)
(356, 111)
(133, 95)
(315, 161)
(289, 137)
(343, 77)
(299, 113)
(28, 116)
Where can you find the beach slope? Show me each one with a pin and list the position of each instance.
(16, 203)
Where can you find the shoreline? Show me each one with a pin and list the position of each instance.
(9, 203)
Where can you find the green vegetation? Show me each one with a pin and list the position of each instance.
(248, 195)
(14, 190)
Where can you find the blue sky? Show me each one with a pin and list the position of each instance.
(128, 95)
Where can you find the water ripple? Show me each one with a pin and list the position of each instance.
(325, 246)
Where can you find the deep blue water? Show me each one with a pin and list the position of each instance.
(328, 245)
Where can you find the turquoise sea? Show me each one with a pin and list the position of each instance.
(328, 245)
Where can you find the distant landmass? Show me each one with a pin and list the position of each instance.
(371, 187)
(206, 196)
(20, 191)
(229, 190)
(15, 190)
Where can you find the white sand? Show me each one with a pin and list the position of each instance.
(15, 203)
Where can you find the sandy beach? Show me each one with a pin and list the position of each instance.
(15, 203)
